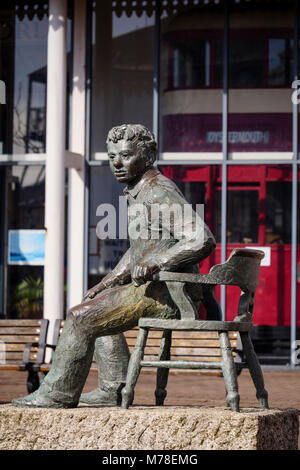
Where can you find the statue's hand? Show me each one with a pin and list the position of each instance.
(91, 293)
(143, 273)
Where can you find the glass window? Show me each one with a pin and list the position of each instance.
(243, 210)
(24, 209)
(260, 65)
(200, 184)
(23, 59)
(259, 216)
(6, 67)
(30, 77)
(219, 63)
(246, 62)
(123, 65)
(190, 62)
(278, 214)
(23, 65)
(280, 70)
(104, 254)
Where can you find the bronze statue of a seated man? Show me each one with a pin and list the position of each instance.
(127, 293)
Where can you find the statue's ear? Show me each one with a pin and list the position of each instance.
(152, 158)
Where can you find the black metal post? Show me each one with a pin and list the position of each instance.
(225, 152)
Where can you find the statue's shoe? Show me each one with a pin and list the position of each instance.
(36, 400)
(101, 397)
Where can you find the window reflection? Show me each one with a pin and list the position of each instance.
(246, 60)
(259, 204)
(278, 214)
(242, 221)
(23, 65)
(25, 199)
(25, 210)
(29, 125)
(123, 65)
(190, 63)
(191, 56)
(280, 70)
(103, 254)
(260, 53)
(200, 184)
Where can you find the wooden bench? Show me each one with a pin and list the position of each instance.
(23, 344)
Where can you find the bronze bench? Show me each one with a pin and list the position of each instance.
(188, 345)
(242, 270)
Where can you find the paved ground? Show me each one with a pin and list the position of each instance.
(188, 388)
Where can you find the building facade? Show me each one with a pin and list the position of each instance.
(217, 83)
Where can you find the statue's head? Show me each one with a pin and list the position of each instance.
(131, 151)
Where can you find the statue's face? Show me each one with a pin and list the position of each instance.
(126, 161)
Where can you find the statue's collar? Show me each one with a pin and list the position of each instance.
(148, 176)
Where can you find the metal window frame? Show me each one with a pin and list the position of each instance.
(225, 103)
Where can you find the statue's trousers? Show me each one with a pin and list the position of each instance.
(111, 312)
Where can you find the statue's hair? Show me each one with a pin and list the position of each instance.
(137, 134)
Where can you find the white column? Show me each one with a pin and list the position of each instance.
(55, 166)
(76, 219)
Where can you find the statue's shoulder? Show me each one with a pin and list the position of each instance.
(162, 187)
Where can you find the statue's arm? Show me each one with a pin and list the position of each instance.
(188, 250)
(194, 239)
(119, 275)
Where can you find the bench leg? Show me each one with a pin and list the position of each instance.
(163, 373)
(33, 381)
(134, 367)
(229, 372)
(255, 370)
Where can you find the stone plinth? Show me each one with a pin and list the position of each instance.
(156, 428)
